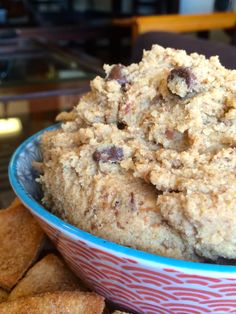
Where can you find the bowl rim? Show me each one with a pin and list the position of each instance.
(73, 231)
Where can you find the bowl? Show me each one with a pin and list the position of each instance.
(137, 281)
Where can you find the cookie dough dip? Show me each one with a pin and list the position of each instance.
(147, 159)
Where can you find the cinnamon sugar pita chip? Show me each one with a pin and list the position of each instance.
(48, 275)
(20, 241)
(3, 295)
(66, 302)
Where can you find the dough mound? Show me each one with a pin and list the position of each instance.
(147, 158)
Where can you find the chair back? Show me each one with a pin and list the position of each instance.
(226, 52)
(179, 23)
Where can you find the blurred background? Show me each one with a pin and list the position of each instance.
(50, 49)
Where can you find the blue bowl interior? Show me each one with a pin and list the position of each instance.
(23, 176)
(26, 173)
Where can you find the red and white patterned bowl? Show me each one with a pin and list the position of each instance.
(135, 280)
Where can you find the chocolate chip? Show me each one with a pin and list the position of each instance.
(121, 125)
(181, 72)
(178, 75)
(110, 154)
(116, 74)
(96, 155)
(173, 191)
(116, 204)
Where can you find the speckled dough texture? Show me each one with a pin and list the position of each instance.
(147, 159)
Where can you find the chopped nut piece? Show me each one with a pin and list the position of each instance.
(111, 154)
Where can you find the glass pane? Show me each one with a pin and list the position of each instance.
(37, 68)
